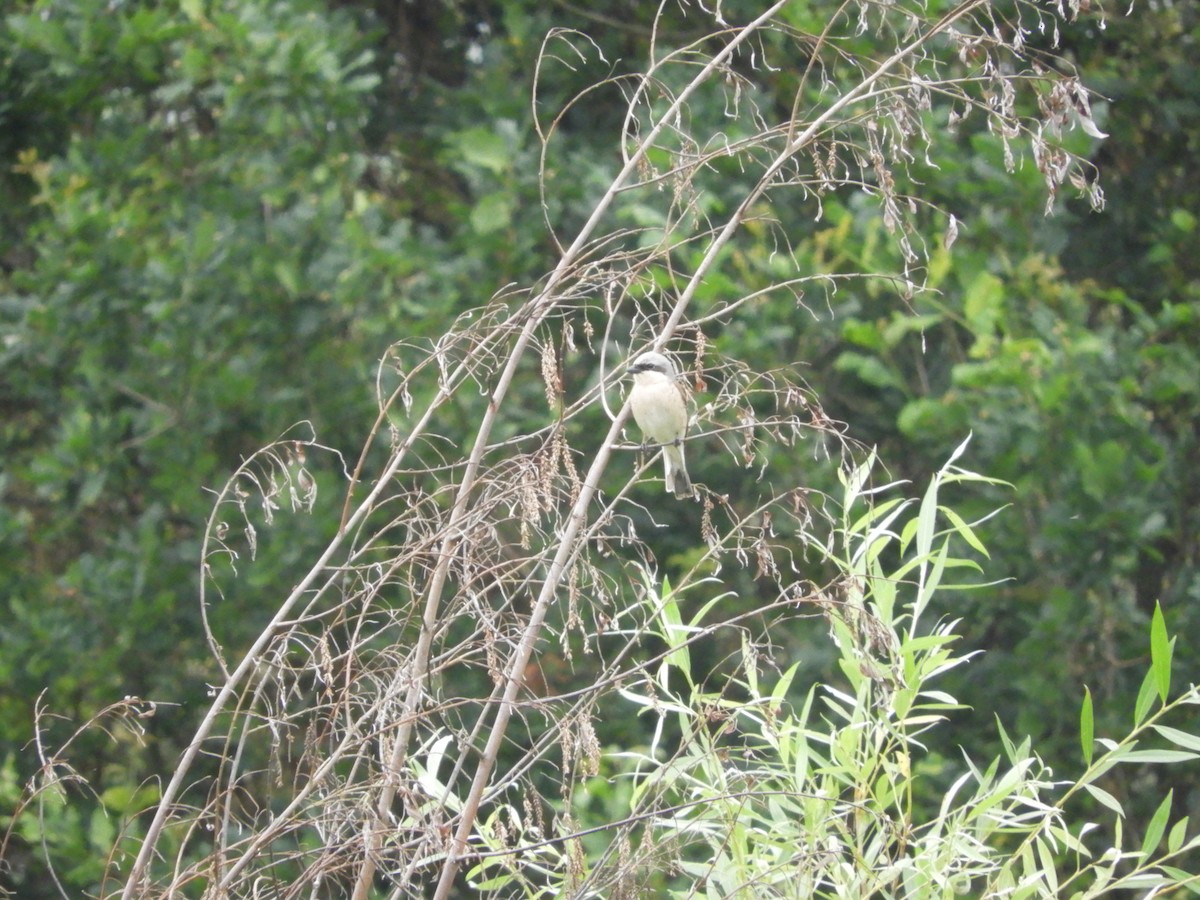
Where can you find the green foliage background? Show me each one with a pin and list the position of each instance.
(216, 217)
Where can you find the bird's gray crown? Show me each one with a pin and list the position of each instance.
(653, 362)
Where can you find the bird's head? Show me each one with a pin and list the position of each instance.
(653, 362)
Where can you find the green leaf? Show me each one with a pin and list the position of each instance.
(493, 212)
(983, 305)
(1176, 837)
(362, 83)
(1188, 880)
(868, 369)
(494, 883)
(1105, 798)
(864, 334)
(1009, 749)
(1087, 731)
(1160, 653)
(874, 513)
(964, 530)
(1158, 824)
(931, 582)
(1159, 756)
(482, 147)
(1181, 738)
(883, 595)
(1068, 840)
(101, 829)
(1145, 699)
(855, 480)
(918, 417)
(1049, 870)
(779, 692)
(1183, 220)
(1102, 766)
(674, 632)
(926, 519)
(958, 452)
(287, 276)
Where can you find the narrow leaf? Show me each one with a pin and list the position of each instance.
(1192, 697)
(1158, 825)
(855, 480)
(1105, 798)
(1181, 738)
(1049, 870)
(926, 519)
(673, 632)
(1184, 878)
(1086, 726)
(779, 692)
(1178, 833)
(964, 530)
(1160, 653)
(1005, 740)
(959, 450)
(932, 578)
(1145, 699)
(883, 591)
(861, 525)
(1159, 756)
(1068, 840)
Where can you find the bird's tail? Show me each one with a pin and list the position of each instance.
(677, 480)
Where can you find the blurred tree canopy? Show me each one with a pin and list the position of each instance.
(216, 217)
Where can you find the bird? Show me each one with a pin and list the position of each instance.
(659, 405)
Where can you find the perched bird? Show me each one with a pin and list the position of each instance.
(659, 405)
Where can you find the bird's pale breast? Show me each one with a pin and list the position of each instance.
(659, 410)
